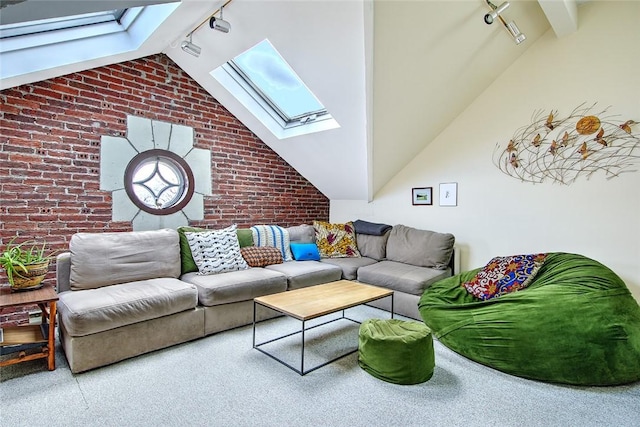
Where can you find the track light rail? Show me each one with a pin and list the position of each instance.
(208, 18)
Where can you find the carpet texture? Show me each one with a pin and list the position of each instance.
(221, 380)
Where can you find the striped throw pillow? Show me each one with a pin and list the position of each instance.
(273, 235)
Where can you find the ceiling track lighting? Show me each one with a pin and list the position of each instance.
(511, 27)
(190, 48)
(219, 23)
(215, 23)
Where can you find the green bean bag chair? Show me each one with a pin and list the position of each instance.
(575, 323)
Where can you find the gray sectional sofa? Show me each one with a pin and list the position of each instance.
(123, 294)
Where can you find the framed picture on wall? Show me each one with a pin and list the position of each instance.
(449, 194)
(422, 196)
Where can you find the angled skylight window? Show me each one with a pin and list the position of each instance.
(264, 68)
(60, 23)
(37, 38)
(273, 87)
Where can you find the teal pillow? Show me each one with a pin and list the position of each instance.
(305, 251)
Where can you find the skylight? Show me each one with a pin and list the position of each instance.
(60, 23)
(38, 52)
(273, 87)
(265, 69)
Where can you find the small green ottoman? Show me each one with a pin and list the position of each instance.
(396, 351)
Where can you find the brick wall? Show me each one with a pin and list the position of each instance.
(50, 155)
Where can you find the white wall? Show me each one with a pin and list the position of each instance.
(499, 215)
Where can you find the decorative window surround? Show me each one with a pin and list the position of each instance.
(143, 135)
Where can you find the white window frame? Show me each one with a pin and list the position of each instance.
(240, 86)
(82, 28)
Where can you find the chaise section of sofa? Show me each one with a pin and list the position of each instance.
(404, 259)
(120, 296)
(372, 249)
(414, 260)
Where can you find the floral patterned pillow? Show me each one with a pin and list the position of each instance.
(336, 240)
(505, 274)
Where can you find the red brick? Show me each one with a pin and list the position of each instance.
(49, 178)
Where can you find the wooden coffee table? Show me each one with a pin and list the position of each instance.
(315, 301)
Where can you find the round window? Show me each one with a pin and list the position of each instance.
(159, 182)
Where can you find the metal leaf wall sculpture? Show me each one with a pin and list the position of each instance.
(562, 149)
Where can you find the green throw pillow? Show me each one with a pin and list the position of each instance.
(245, 237)
(186, 257)
(188, 265)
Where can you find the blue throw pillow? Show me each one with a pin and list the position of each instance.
(305, 251)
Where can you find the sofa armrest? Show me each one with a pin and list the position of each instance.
(63, 272)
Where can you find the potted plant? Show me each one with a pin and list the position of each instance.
(26, 264)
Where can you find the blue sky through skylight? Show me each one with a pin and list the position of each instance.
(277, 80)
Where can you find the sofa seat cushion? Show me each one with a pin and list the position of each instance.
(349, 266)
(95, 310)
(401, 277)
(303, 233)
(234, 286)
(301, 274)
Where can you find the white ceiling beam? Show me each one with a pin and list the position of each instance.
(562, 15)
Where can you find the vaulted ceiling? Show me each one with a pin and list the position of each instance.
(393, 74)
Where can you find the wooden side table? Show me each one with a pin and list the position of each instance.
(19, 339)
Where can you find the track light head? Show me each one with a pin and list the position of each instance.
(190, 48)
(219, 24)
(511, 27)
(515, 32)
(490, 17)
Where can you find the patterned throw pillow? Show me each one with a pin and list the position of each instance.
(505, 274)
(261, 256)
(336, 240)
(273, 235)
(216, 251)
(245, 238)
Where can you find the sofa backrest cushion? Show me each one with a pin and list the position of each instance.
(422, 248)
(303, 233)
(372, 246)
(103, 259)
